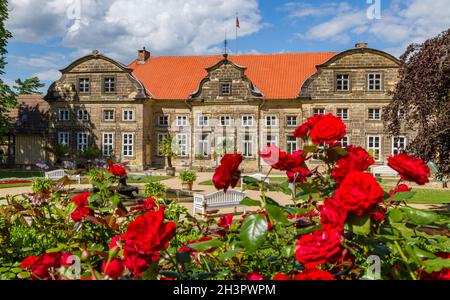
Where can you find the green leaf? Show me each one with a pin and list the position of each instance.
(204, 246)
(420, 217)
(433, 167)
(277, 214)
(403, 196)
(396, 215)
(436, 265)
(250, 202)
(253, 231)
(309, 149)
(359, 225)
(229, 254)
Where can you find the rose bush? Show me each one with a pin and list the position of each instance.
(338, 218)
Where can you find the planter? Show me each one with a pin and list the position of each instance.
(187, 186)
(170, 171)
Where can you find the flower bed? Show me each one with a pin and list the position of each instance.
(15, 181)
(355, 231)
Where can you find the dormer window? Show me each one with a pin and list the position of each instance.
(84, 85)
(225, 89)
(342, 82)
(374, 82)
(109, 85)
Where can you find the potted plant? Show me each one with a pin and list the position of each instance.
(188, 178)
(167, 150)
(155, 190)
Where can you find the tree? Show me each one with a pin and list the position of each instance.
(167, 150)
(423, 96)
(28, 86)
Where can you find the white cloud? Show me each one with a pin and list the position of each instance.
(48, 75)
(120, 27)
(401, 23)
(50, 60)
(298, 10)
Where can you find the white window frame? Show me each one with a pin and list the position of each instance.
(290, 124)
(343, 82)
(247, 146)
(372, 117)
(271, 121)
(342, 141)
(126, 115)
(225, 93)
(405, 142)
(373, 82)
(316, 109)
(160, 137)
(64, 138)
(109, 85)
(343, 115)
(181, 121)
(247, 120)
(107, 144)
(66, 116)
(84, 85)
(203, 145)
(182, 149)
(373, 148)
(202, 121)
(267, 140)
(290, 143)
(225, 121)
(163, 121)
(127, 147)
(104, 115)
(82, 115)
(82, 141)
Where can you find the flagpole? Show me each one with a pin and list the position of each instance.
(236, 25)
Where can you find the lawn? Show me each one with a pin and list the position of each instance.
(147, 179)
(210, 182)
(20, 174)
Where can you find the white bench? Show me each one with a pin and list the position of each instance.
(217, 200)
(384, 171)
(58, 174)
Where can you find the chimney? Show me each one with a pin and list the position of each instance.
(143, 56)
(361, 45)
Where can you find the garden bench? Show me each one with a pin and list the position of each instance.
(218, 200)
(384, 171)
(60, 173)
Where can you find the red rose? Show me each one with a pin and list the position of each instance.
(314, 274)
(139, 263)
(410, 168)
(228, 174)
(225, 221)
(401, 188)
(115, 268)
(320, 247)
(81, 200)
(280, 276)
(311, 214)
(377, 217)
(168, 278)
(332, 215)
(29, 262)
(281, 160)
(357, 159)
(299, 175)
(149, 204)
(359, 193)
(80, 212)
(327, 129)
(44, 267)
(117, 170)
(301, 131)
(443, 274)
(187, 249)
(255, 276)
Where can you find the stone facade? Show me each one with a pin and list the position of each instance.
(225, 107)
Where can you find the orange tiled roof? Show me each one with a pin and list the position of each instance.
(277, 76)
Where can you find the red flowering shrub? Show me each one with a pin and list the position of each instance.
(114, 269)
(401, 188)
(359, 193)
(314, 274)
(225, 221)
(410, 168)
(323, 129)
(320, 247)
(357, 159)
(332, 215)
(44, 267)
(82, 209)
(118, 170)
(255, 276)
(227, 174)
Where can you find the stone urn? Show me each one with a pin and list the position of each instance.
(187, 186)
(170, 172)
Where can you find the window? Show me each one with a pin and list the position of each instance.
(401, 114)
(64, 115)
(291, 144)
(203, 121)
(84, 86)
(128, 115)
(63, 138)
(225, 89)
(374, 146)
(83, 115)
(318, 111)
(316, 156)
(107, 144)
(342, 82)
(82, 141)
(225, 121)
(181, 121)
(398, 144)
(108, 115)
(182, 143)
(374, 82)
(374, 114)
(271, 121)
(342, 113)
(203, 147)
(271, 140)
(161, 137)
(291, 121)
(247, 121)
(128, 144)
(247, 146)
(163, 121)
(344, 141)
(109, 85)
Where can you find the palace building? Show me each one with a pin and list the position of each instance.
(217, 104)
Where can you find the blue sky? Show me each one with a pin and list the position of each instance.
(49, 34)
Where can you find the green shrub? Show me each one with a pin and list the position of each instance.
(42, 185)
(155, 190)
(188, 176)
